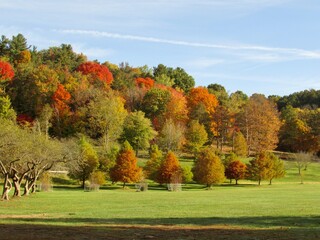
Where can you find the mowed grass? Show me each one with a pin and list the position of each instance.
(284, 210)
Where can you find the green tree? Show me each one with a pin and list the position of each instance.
(106, 115)
(154, 102)
(208, 168)
(6, 110)
(138, 131)
(152, 166)
(87, 161)
(196, 136)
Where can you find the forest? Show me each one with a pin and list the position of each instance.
(61, 111)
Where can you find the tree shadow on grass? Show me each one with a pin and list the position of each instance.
(52, 232)
(257, 222)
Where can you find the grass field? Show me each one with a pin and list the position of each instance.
(284, 210)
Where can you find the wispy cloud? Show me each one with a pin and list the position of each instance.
(259, 53)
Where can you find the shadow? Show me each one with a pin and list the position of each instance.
(257, 222)
(38, 231)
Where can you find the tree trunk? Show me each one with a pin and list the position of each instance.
(7, 186)
(270, 183)
(236, 181)
(17, 188)
(259, 181)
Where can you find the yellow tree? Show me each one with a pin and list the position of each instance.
(260, 124)
(208, 168)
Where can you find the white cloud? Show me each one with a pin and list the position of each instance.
(256, 52)
(205, 62)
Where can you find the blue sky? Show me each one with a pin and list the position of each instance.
(256, 46)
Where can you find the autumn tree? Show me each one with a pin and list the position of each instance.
(196, 136)
(95, 71)
(138, 131)
(240, 145)
(169, 169)
(208, 168)
(177, 108)
(152, 166)
(126, 169)
(260, 123)
(278, 169)
(171, 136)
(6, 72)
(145, 83)
(260, 167)
(236, 170)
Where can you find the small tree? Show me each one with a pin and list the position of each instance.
(236, 170)
(260, 167)
(240, 145)
(126, 169)
(208, 168)
(87, 163)
(152, 166)
(302, 159)
(169, 169)
(277, 170)
(187, 174)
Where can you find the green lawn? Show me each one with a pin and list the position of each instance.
(284, 210)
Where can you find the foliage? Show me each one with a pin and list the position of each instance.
(187, 175)
(95, 71)
(146, 83)
(138, 131)
(6, 71)
(240, 145)
(304, 99)
(196, 136)
(277, 170)
(169, 169)
(236, 170)
(208, 168)
(201, 95)
(6, 110)
(260, 123)
(97, 177)
(87, 161)
(171, 136)
(152, 166)
(260, 167)
(154, 102)
(126, 169)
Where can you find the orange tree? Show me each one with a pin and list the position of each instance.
(126, 169)
(169, 169)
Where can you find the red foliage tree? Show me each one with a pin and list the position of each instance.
(126, 169)
(96, 71)
(6, 71)
(60, 98)
(236, 170)
(146, 83)
(169, 169)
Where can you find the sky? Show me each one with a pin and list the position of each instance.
(256, 46)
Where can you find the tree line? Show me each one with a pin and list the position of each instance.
(59, 96)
